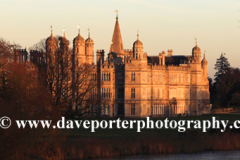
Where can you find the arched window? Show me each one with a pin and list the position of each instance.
(136, 56)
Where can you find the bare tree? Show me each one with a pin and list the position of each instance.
(23, 97)
(84, 98)
(40, 46)
(69, 85)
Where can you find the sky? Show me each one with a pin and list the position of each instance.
(162, 24)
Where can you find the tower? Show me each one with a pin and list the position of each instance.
(204, 67)
(196, 53)
(64, 44)
(51, 43)
(117, 44)
(51, 48)
(196, 79)
(79, 49)
(138, 49)
(89, 45)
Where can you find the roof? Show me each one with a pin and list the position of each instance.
(170, 60)
(51, 39)
(117, 44)
(138, 43)
(79, 38)
(89, 40)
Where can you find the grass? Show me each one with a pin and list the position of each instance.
(82, 144)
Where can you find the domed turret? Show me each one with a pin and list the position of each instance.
(51, 42)
(138, 48)
(79, 38)
(196, 49)
(79, 49)
(89, 40)
(204, 61)
(196, 53)
(89, 45)
(137, 43)
(64, 42)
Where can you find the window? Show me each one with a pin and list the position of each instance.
(105, 109)
(132, 92)
(132, 109)
(155, 77)
(93, 77)
(106, 93)
(106, 76)
(93, 93)
(136, 56)
(132, 76)
(103, 92)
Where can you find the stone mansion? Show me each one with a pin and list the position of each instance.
(132, 84)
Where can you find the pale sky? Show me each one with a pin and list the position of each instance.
(162, 24)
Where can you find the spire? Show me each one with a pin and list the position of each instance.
(117, 44)
(116, 14)
(204, 61)
(137, 35)
(51, 32)
(64, 33)
(78, 29)
(88, 32)
(196, 41)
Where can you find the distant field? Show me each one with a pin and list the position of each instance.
(108, 133)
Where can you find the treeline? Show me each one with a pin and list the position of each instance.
(39, 91)
(225, 89)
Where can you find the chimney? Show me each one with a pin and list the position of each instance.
(160, 58)
(163, 58)
(170, 52)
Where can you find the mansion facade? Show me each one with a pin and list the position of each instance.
(132, 84)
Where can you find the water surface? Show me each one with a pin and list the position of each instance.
(216, 155)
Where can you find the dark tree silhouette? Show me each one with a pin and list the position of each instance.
(221, 66)
(22, 97)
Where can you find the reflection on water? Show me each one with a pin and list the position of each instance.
(219, 155)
